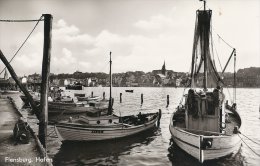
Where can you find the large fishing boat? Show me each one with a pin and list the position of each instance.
(201, 125)
(104, 127)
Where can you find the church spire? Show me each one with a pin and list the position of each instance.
(164, 69)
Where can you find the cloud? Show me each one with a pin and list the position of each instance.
(157, 22)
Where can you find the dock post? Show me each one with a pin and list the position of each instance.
(159, 118)
(142, 99)
(104, 95)
(120, 97)
(168, 101)
(43, 121)
(92, 94)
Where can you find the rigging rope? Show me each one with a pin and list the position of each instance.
(222, 39)
(249, 147)
(23, 42)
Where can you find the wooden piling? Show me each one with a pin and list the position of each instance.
(159, 117)
(168, 101)
(92, 94)
(120, 97)
(104, 95)
(142, 99)
(43, 121)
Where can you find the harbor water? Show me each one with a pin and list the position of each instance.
(153, 147)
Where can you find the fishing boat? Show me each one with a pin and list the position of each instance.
(105, 127)
(202, 125)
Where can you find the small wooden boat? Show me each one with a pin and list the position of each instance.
(104, 127)
(89, 98)
(201, 126)
(130, 91)
(66, 105)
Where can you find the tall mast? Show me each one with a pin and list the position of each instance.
(110, 87)
(205, 56)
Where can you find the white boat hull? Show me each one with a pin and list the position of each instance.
(84, 133)
(222, 145)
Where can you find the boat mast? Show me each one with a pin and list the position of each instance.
(110, 87)
(205, 57)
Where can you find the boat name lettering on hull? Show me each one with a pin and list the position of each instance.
(97, 131)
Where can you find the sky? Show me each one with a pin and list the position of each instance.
(141, 34)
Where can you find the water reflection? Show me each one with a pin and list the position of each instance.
(101, 152)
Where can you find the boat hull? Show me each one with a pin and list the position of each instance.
(221, 145)
(68, 132)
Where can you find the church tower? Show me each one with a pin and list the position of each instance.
(164, 69)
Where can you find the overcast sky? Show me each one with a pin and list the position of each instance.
(140, 33)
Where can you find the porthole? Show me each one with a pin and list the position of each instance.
(98, 122)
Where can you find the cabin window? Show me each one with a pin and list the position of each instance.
(210, 107)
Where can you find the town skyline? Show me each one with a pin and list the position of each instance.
(140, 41)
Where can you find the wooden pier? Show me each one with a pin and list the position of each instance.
(18, 154)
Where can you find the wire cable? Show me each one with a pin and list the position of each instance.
(23, 43)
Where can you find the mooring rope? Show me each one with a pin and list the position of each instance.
(249, 147)
(250, 139)
(22, 20)
(24, 40)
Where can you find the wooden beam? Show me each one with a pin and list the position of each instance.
(43, 121)
(23, 89)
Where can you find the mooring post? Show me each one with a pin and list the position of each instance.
(159, 117)
(120, 97)
(43, 121)
(142, 99)
(104, 95)
(92, 94)
(168, 101)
